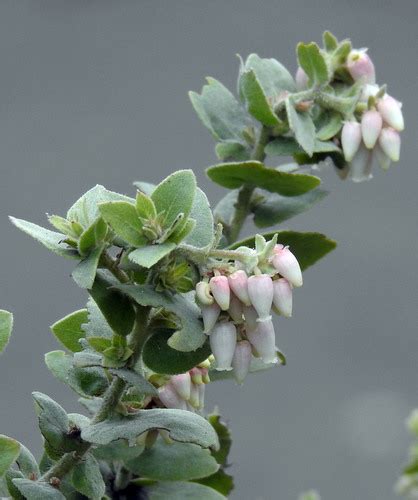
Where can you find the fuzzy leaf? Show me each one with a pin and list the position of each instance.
(174, 462)
(224, 436)
(124, 220)
(330, 42)
(6, 326)
(329, 125)
(27, 463)
(175, 195)
(232, 151)
(69, 331)
(51, 240)
(161, 358)
(85, 271)
(183, 426)
(220, 112)
(115, 307)
(179, 490)
(149, 255)
(96, 324)
(87, 478)
(303, 127)
(286, 146)
(9, 451)
(313, 63)
(135, 380)
(202, 234)
(145, 187)
(92, 236)
(225, 209)
(86, 209)
(36, 490)
(189, 336)
(220, 481)
(257, 102)
(307, 247)
(234, 175)
(275, 209)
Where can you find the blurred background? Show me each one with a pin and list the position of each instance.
(95, 91)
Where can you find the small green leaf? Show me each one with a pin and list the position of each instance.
(51, 240)
(313, 63)
(220, 112)
(69, 331)
(330, 125)
(287, 146)
(234, 175)
(87, 478)
(175, 195)
(225, 209)
(10, 475)
(174, 462)
(273, 76)
(92, 236)
(6, 327)
(224, 436)
(183, 426)
(220, 481)
(135, 380)
(179, 490)
(189, 336)
(258, 104)
(37, 490)
(117, 450)
(307, 247)
(149, 255)
(161, 358)
(9, 451)
(115, 307)
(274, 209)
(84, 273)
(330, 41)
(27, 463)
(86, 209)
(145, 187)
(124, 220)
(96, 324)
(232, 151)
(202, 234)
(303, 127)
(99, 344)
(145, 207)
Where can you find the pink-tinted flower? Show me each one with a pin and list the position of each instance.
(390, 109)
(350, 139)
(264, 342)
(210, 315)
(260, 290)
(194, 399)
(219, 287)
(251, 316)
(182, 384)
(371, 125)
(361, 165)
(383, 160)
(203, 295)
(241, 360)
(282, 297)
(238, 282)
(235, 309)
(196, 376)
(301, 79)
(222, 342)
(390, 142)
(361, 67)
(170, 397)
(287, 265)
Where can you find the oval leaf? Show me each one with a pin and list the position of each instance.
(36, 490)
(178, 490)
(9, 451)
(6, 326)
(68, 330)
(87, 478)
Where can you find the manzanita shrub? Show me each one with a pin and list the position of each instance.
(175, 300)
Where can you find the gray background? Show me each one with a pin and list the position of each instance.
(95, 92)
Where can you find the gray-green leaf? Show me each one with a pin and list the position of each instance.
(202, 234)
(9, 451)
(135, 380)
(36, 490)
(302, 125)
(180, 490)
(312, 61)
(149, 255)
(85, 271)
(6, 326)
(87, 478)
(69, 331)
(124, 220)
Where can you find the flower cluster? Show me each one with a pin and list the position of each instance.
(236, 309)
(186, 391)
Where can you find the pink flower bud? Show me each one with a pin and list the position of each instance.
(170, 398)
(360, 66)
(203, 295)
(220, 290)
(222, 342)
(264, 341)
(241, 360)
(260, 290)
(390, 142)
(382, 159)
(235, 309)
(196, 376)
(205, 375)
(194, 396)
(390, 109)
(301, 79)
(282, 297)
(371, 125)
(210, 315)
(361, 165)
(288, 266)
(238, 281)
(182, 384)
(350, 139)
(251, 316)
